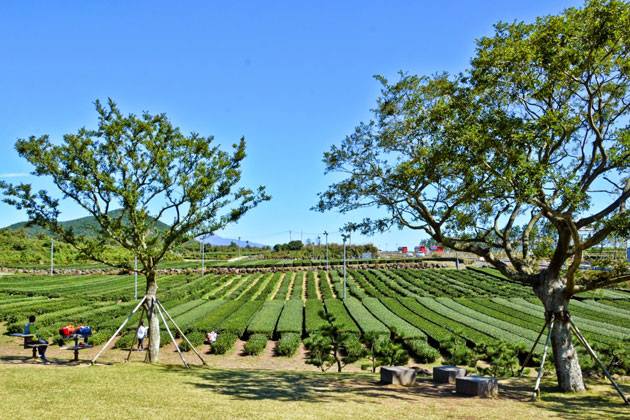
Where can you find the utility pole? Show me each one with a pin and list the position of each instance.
(239, 246)
(290, 239)
(319, 246)
(302, 236)
(135, 277)
(345, 270)
(52, 256)
(326, 235)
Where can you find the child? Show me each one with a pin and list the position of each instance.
(211, 337)
(141, 334)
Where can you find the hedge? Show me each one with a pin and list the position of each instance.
(367, 322)
(291, 318)
(313, 321)
(342, 318)
(265, 320)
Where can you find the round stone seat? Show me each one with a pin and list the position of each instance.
(478, 386)
(398, 375)
(447, 374)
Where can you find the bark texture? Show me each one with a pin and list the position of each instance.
(552, 293)
(154, 322)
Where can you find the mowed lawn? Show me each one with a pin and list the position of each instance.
(136, 390)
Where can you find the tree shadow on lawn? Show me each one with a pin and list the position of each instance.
(599, 401)
(307, 387)
(364, 388)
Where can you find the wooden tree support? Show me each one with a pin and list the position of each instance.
(135, 336)
(588, 348)
(161, 312)
(181, 333)
(118, 330)
(536, 392)
(172, 338)
(531, 352)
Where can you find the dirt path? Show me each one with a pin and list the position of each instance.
(317, 291)
(304, 285)
(328, 279)
(290, 289)
(273, 294)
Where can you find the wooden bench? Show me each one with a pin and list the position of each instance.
(28, 344)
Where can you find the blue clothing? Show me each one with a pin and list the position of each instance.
(35, 340)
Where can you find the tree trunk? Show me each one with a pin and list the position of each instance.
(154, 322)
(552, 293)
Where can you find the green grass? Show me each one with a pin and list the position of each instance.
(138, 391)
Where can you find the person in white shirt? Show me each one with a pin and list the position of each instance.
(211, 337)
(141, 334)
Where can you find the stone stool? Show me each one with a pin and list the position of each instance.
(479, 386)
(447, 374)
(397, 375)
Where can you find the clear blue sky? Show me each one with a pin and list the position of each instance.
(292, 77)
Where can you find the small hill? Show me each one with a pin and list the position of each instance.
(87, 226)
(84, 226)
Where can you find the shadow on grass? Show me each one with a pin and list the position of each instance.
(51, 361)
(306, 387)
(602, 402)
(599, 401)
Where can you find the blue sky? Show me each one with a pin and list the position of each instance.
(292, 77)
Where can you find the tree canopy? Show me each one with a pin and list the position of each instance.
(534, 135)
(130, 173)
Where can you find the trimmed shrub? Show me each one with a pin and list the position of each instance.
(313, 320)
(422, 352)
(225, 342)
(265, 320)
(288, 344)
(196, 338)
(255, 345)
(291, 317)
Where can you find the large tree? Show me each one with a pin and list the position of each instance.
(128, 173)
(532, 137)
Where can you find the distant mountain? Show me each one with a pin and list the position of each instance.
(87, 226)
(215, 240)
(84, 226)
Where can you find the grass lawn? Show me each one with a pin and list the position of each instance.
(136, 390)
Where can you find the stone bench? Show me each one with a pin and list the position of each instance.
(479, 386)
(397, 375)
(447, 374)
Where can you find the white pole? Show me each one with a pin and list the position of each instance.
(239, 246)
(52, 256)
(135, 277)
(344, 268)
(326, 235)
(203, 258)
